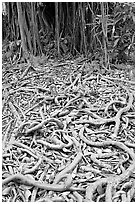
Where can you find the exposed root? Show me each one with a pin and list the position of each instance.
(19, 178)
(67, 136)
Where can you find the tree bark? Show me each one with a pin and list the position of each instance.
(57, 27)
(22, 33)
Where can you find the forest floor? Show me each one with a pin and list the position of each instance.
(68, 131)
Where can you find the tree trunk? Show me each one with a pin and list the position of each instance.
(22, 33)
(74, 26)
(57, 27)
(36, 41)
(104, 29)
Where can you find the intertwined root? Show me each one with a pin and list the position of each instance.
(67, 138)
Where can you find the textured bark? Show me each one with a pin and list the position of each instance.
(57, 26)
(20, 20)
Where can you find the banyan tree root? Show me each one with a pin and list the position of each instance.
(30, 151)
(69, 168)
(116, 119)
(28, 171)
(53, 120)
(120, 145)
(24, 179)
(59, 146)
(52, 138)
(111, 184)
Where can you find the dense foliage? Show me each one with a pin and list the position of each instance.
(103, 30)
